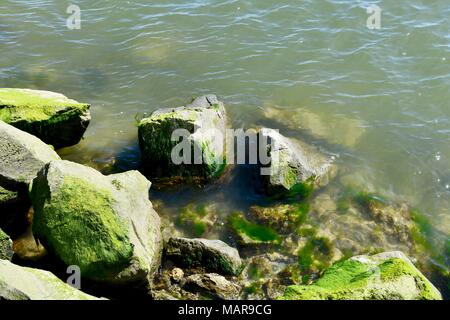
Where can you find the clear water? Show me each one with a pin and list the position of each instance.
(131, 57)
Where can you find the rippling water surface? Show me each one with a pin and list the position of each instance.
(380, 99)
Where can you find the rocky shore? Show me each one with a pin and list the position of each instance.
(311, 239)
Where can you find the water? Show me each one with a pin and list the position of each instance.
(131, 57)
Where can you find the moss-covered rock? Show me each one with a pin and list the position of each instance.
(284, 217)
(6, 248)
(208, 255)
(104, 224)
(20, 283)
(250, 233)
(385, 276)
(50, 116)
(205, 122)
(197, 220)
(296, 168)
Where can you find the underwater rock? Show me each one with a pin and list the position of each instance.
(296, 168)
(334, 129)
(204, 122)
(198, 221)
(284, 218)
(104, 224)
(252, 234)
(6, 249)
(212, 285)
(20, 283)
(209, 255)
(384, 276)
(50, 116)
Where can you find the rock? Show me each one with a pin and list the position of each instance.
(177, 274)
(20, 283)
(21, 157)
(205, 121)
(334, 129)
(283, 217)
(385, 276)
(212, 285)
(6, 249)
(104, 224)
(252, 234)
(51, 117)
(210, 255)
(296, 168)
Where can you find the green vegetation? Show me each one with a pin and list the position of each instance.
(192, 218)
(315, 254)
(81, 227)
(251, 231)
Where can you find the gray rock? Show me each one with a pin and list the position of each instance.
(20, 283)
(205, 121)
(295, 167)
(50, 116)
(6, 246)
(21, 156)
(104, 224)
(212, 285)
(209, 255)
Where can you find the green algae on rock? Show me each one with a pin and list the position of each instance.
(104, 224)
(296, 168)
(6, 246)
(21, 283)
(210, 255)
(251, 233)
(283, 218)
(385, 276)
(204, 122)
(52, 117)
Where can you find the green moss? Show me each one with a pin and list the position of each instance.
(20, 105)
(80, 226)
(7, 195)
(353, 279)
(315, 254)
(252, 231)
(191, 218)
(366, 199)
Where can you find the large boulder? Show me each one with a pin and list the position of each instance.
(20, 283)
(210, 255)
(21, 157)
(6, 246)
(384, 276)
(104, 224)
(52, 117)
(204, 122)
(295, 168)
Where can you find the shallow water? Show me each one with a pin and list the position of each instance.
(379, 99)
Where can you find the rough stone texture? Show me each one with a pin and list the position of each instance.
(6, 249)
(50, 116)
(210, 255)
(296, 167)
(20, 283)
(205, 120)
(21, 157)
(385, 276)
(104, 224)
(212, 284)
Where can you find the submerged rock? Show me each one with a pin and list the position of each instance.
(20, 283)
(50, 116)
(212, 285)
(204, 121)
(252, 234)
(6, 249)
(385, 276)
(209, 255)
(296, 168)
(334, 129)
(104, 224)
